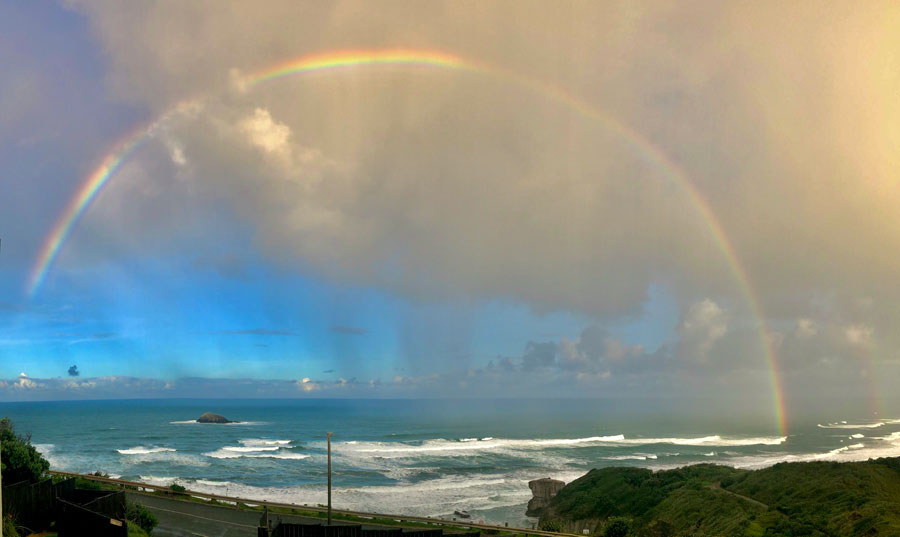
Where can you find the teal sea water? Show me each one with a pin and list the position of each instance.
(418, 457)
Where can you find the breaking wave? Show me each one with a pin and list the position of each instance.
(845, 425)
(141, 450)
(235, 453)
(259, 442)
(195, 422)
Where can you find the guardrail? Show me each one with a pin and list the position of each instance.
(317, 509)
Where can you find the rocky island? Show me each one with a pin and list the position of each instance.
(209, 417)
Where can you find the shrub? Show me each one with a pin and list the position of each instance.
(9, 528)
(140, 515)
(177, 488)
(88, 484)
(550, 525)
(617, 527)
(19, 460)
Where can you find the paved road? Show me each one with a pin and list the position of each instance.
(178, 518)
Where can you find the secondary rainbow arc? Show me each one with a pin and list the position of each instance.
(348, 59)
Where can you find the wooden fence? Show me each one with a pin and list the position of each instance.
(75, 521)
(318, 530)
(30, 503)
(111, 504)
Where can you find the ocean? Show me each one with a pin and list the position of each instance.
(414, 457)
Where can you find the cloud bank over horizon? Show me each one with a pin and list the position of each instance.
(408, 222)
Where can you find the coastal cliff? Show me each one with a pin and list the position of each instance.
(543, 491)
(817, 499)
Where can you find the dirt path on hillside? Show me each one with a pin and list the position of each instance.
(718, 486)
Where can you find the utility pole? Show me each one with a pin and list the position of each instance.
(329, 479)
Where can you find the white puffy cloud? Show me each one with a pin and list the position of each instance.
(859, 335)
(265, 133)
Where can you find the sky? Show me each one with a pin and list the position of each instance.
(683, 201)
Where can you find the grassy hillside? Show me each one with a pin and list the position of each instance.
(790, 499)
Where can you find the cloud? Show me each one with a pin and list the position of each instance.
(226, 265)
(73, 371)
(451, 185)
(103, 335)
(538, 355)
(265, 133)
(703, 324)
(256, 332)
(7, 306)
(859, 335)
(806, 328)
(349, 330)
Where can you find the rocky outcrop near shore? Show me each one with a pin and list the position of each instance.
(209, 417)
(543, 490)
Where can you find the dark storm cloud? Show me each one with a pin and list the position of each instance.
(538, 355)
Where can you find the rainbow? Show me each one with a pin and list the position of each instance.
(88, 192)
(349, 59)
(78, 204)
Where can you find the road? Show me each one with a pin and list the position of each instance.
(179, 518)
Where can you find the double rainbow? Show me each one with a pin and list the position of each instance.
(417, 58)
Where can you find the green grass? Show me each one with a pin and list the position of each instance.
(135, 531)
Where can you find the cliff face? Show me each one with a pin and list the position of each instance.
(543, 490)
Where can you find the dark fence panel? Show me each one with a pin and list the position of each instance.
(423, 533)
(383, 533)
(316, 530)
(298, 530)
(85, 496)
(464, 534)
(111, 504)
(76, 521)
(64, 489)
(32, 505)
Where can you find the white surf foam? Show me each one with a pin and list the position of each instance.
(224, 453)
(434, 497)
(845, 425)
(141, 450)
(210, 483)
(250, 449)
(857, 436)
(261, 442)
(471, 444)
(195, 422)
(528, 447)
(158, 481)
(711, 440)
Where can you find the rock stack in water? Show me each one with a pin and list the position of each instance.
(543, 490)
(209, 417)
